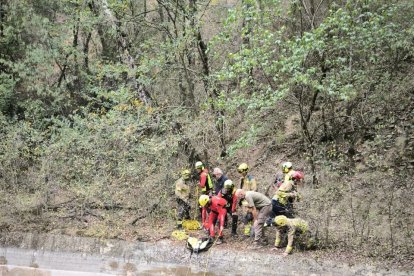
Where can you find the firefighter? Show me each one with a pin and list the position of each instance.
(205, 184)
(291, 174)
(296, 228)
(247, 183)
(229, 194)
(286, 192)
(287, 174)
(216, 206)
(182, 196)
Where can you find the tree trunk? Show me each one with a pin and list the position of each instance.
(126, 56)
(86, 51)
(2, 17)
(74, 45)
(202, 49)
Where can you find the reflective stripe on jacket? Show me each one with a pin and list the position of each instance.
(205, 181)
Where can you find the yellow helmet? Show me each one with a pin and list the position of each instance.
(203, 200)
(199, 165)
(243, 168)
(281, 220)
(185, 174)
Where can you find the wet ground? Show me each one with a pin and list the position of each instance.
(28, 262)
(43, 255)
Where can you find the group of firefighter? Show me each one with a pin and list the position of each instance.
(220, 199)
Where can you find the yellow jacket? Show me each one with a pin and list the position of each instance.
(295, 225)
(248, 183)
(182, 189)
(285, 192)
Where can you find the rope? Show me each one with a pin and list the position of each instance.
(196, 204)
(208, 256)
(179, 235)
(191, 224)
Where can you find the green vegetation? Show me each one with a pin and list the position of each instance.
(103, 102)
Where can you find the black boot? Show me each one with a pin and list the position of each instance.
(234, 220)
(180, 225)
(225, 223)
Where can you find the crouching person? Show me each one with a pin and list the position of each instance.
(216, 205)
(260, 207)
(296, 228)
(282, 201)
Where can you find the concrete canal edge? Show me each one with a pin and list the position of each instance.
(46, 251)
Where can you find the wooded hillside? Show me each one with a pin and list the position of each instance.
(104, 102)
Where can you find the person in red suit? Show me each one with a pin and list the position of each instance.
(217, 207)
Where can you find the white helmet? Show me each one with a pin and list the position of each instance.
(199, 165)
(228, 184)
(286, 166)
